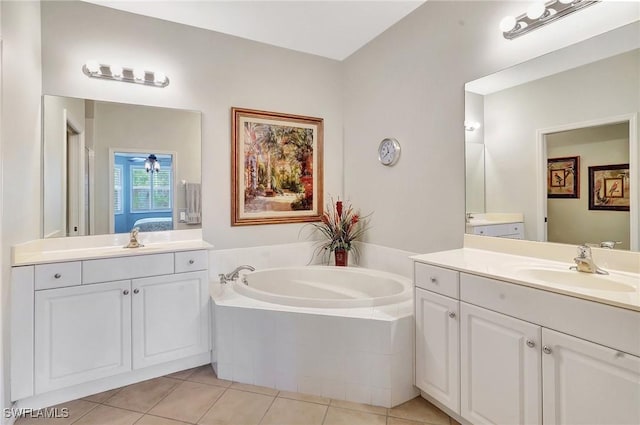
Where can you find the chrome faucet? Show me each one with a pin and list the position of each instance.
(230, 277)
(609, 244)
(133, 239)
(584, 262)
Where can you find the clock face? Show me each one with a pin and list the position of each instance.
(389, 151)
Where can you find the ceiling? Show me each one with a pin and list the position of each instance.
(333, 29)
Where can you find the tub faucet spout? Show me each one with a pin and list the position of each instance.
(230, 277)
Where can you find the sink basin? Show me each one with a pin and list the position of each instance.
(613, 282)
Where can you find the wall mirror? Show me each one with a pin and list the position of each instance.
(577, 102)
(109, 167)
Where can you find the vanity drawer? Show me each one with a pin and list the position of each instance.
(189, 261)
(603, 324)
(121, 268)
(58, 275)
(437, 279)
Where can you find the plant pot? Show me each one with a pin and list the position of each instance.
(342, 257)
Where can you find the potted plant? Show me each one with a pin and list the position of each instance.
(341, 225)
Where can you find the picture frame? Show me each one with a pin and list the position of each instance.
(563, 177)
(609, 187)
(276, 167)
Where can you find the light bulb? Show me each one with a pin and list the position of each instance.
(138, 74)
(566, 1)
(508, 23)
(93, 67)
(116, 71)
(536, 11)
(159, 77)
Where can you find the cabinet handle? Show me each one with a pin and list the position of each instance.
(452, 314)
(57, 275)
(530, 343)
(136, 291)
(125, 292)
(434, 280)
(546, 349)
(191, 261)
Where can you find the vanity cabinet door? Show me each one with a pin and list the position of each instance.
(500, 368)
(82, 333)
(437, 348)
(170, 316)
(587, 383)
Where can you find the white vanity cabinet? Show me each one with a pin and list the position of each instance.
(587, 383)
(167, 318)
(107, 322)
(437, 334)
(500, 368)
(503, 230)
(525, 355)
(82, 333)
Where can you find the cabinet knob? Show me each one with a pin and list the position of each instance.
(136, 291)
(125, 292)
(546, 349)
(57, 275)
(452, 314)
(530, 343)
(191, 261)
(434, 280)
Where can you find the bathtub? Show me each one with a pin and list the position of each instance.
(325, 287)
(339, 332)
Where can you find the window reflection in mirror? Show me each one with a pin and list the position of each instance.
(94, 175)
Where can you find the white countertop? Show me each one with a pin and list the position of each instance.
(489, 219)
(504, 267)
(76, 248)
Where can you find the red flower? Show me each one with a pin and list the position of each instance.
(355, 219)
(339, 208)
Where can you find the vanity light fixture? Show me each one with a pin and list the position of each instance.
(128, 75)
(539, 14)
(151, 164)
(471, 125)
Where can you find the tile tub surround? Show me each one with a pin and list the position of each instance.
(169, 400)
(371, 256)
(361, 354)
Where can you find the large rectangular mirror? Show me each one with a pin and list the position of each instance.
(536, 135)
(109, 167)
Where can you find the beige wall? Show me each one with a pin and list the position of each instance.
(20, 151)
(570, 220)
(601, 89)
(209, 72)
(474, 153)
(150, 130)
(54, 187)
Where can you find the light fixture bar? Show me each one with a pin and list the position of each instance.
(553, 10)
(128, 75)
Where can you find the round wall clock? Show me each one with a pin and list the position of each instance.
(389, 151)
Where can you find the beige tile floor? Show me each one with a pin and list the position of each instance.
(197, 396)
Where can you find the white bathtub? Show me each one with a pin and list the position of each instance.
(325, 287)
(340, 332)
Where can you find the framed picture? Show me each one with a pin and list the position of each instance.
(563, 177)
(609, 187)
(276, 168)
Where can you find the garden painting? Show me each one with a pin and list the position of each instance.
(277, 168)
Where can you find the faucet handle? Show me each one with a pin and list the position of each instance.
(584, 251)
